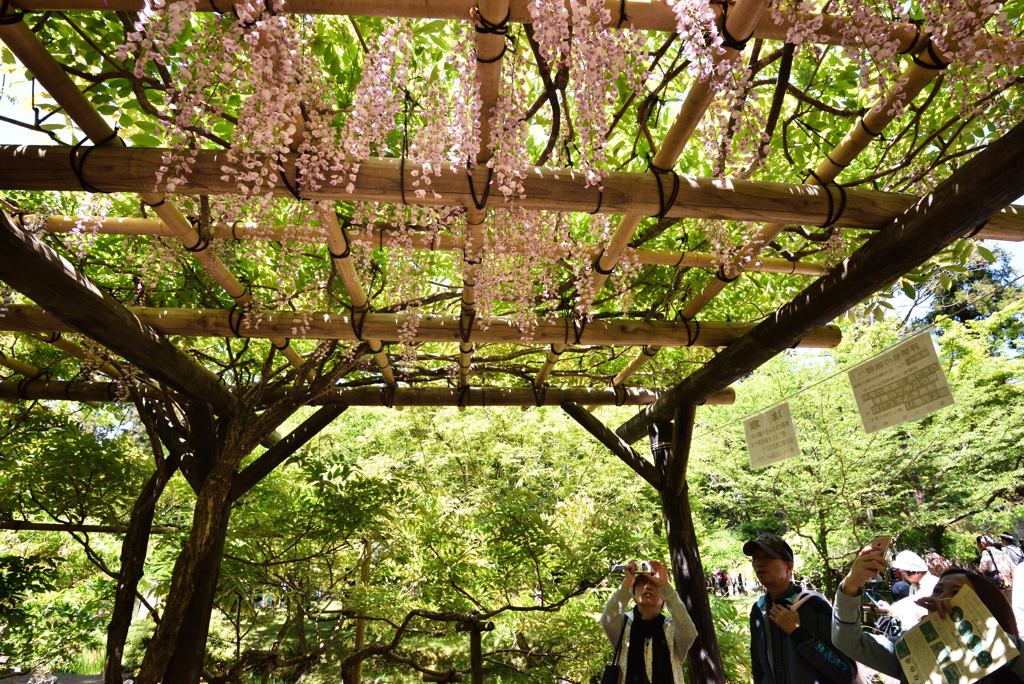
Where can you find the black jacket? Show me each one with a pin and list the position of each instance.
(806, 656)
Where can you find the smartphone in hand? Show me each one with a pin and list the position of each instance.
(881, 543)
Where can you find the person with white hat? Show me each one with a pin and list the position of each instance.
(915, 580)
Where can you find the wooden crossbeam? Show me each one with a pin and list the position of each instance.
(78, 305)
(614, 443)
(283, 450)
(134, 169)
(655, 15)
(53, 390)
(321, 325)
(967, 198)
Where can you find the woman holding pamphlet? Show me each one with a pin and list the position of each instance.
(969, 635)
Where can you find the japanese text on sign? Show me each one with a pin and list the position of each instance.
(902, 384)
(771, 436)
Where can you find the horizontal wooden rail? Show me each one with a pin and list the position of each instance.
(372, 396)
(134, 170)
(389, 238)
(29, 526)
(336, 326)
(655, 15)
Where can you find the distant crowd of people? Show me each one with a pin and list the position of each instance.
(798, 636)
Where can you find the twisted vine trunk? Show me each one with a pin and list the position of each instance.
(133, 560)
(704, 658)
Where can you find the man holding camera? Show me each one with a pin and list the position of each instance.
(790, 631)
(654, 645)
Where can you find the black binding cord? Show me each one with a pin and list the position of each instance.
(112, 388)
(54, 336)
(578, 324)
(556, 353)
(357, 328)
(480, 202)
(463, 395)
(619, 400)
(79, 154)
(600, 198)
(647, 352)
(691, 336)
(868, 130)
(939, 64)
(156, 204)
(387, 396)
(917, 36)
(623, 18)
(234, 236)
(283, 346)
(597, 265)
(201, 242)
(294, 189)
(720, 274)
(235, 326)
(486, 27)
(727, 38)
(466, 326)
(9, 19)
(539, 395)
(833, 215)
(348, 245)
(835, 163)
(658, 172)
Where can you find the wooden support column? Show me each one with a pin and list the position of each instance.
(364, 577)
(476, 654)
(967, 198)
(671, 452)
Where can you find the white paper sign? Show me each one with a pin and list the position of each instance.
(902, 384)
(771, 436)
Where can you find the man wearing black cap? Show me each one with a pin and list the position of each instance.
(1011, 549)
(790, 646)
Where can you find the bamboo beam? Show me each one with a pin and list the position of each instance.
(36, 59)
(967, 198)
(490, 47)
(52, 390)
(655, 15)
(599, 430)
(73, 350)
(130, 169)
(418, 240)
(77, 305)
(334, 326)
(914, 78)
(739, 23)
(338, 247)
(29, 373)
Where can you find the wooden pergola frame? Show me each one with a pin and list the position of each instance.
(906, 231)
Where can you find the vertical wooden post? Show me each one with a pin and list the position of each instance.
(364, 577)
(671, 451)
(476, 655)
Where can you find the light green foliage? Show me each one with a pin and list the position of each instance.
(914, 481)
